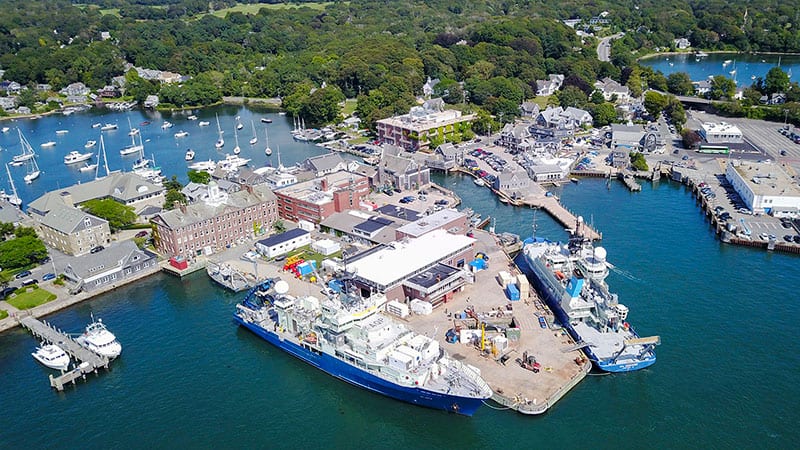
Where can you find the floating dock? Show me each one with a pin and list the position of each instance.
(88, 361)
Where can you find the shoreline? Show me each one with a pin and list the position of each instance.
(713, 52)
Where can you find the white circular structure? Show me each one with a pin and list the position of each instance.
(281, 287)
(600, 253)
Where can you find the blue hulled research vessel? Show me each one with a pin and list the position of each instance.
(571, 279)
(346, 336)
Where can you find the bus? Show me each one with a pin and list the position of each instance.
(714, 149)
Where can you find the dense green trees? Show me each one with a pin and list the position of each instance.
(22, 250)
(118, 215)
(679, 83)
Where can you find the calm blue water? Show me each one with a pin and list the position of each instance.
(169, 151)
(748, 67)
(189, 377)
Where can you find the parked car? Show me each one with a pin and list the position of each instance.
(23, 274)
(48, 276)
(142, 233)
(29, 281)
(99, 248)
(7, 291)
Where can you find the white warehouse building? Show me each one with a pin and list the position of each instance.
(718, 133)
(765, 188)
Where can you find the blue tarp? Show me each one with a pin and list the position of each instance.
(336, 286)
(512, 292)
(307, 267)
(479, 263)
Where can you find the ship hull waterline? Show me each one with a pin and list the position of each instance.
(339, 369)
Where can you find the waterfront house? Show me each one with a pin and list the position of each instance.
(8, 103)
(627, 137)
(108, 91)
(620, 159)
(513, 183)
(283, 243)
(702, 88)
(413, 131)
(71, 230)
(314, 200)
(113, 265)
(75, 90)
(682, 43)
(363, 227)
(11, 214)
(151, 101)
(13, 88)
(612, 89)
(399, 171)
(125, 187)
(324, 164)
(216, 221)
(445, 157)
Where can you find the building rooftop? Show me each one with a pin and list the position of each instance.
(121, 186)
(372, 224)
(392, 263)
(200, 211)
(430, 223)
(768, 179)
(346, 221)
(424, 122)
(115, 255)
(283, 237)
(311, 191)
(722, 127)
(67, 219)
(435, 274)
(399, 212)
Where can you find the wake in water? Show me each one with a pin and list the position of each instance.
(624, 273)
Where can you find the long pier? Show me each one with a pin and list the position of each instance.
(562, 215)
(88, 360)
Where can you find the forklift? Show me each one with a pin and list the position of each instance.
(529, 362)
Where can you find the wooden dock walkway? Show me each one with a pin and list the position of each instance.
(561, 214)
(88, 361)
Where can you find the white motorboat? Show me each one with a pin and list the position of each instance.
(90, 144)
(75, 157)
(52, 356)
(203, 123)
(189, 155)
(181, 134)
(6, 129)
(96, 125)
(48, 144)
(479, 182)
(133, 132)
(232, 162)
(206, 166)
(98, 339)
(109, 126)
(88, 167)
(192, 117)
(166, 125)
(62, 132)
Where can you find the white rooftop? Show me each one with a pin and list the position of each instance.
(425, 224)
(401, 259)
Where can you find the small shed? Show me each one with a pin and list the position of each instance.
(326, 247)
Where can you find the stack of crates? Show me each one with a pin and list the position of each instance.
(524, 286)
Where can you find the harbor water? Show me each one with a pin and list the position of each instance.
(188, 377)
(746, 68)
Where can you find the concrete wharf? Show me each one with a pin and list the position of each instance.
(88, 360)
(561, 214)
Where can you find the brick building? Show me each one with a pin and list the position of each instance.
(317, 199)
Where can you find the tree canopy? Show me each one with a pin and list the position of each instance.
(118, 215)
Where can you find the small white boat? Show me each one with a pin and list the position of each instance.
(62, 131)
(192, 117)
(90, 144)
(75, 157)
(266, 120)
(207, 166)
(181, 134)
(88, 167)
(48, 144)
(479, 182)
(573, 179)
(254, 139)
(189, 155)
(51, 356)
(108, 127)
(166, 125)
(98, 339)
(6, 129)
(96, 125)
(203, 123)
(133, 132)
(131, 149)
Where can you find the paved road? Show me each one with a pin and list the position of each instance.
(604, 47)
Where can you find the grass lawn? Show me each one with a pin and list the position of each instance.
(308, 254)
(359, 140)
(541, 101)
(31, 297)
(254, 8)
(3, 313)
(349, 106)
